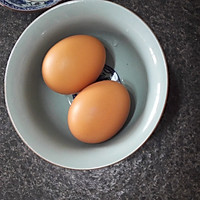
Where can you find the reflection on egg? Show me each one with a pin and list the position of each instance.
(73, 63)
(99, 111)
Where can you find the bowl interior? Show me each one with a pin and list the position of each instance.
(40, 115)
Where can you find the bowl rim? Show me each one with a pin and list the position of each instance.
(158, 116)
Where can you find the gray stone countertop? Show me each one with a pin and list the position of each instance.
(167, 166)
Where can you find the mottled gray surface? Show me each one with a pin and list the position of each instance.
(167, 166)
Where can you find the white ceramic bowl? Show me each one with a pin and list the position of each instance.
(39, 115)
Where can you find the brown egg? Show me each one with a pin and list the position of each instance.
(99, 111)
(73, 63)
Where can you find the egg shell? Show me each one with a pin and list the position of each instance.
(73, 63)
(99, 111)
